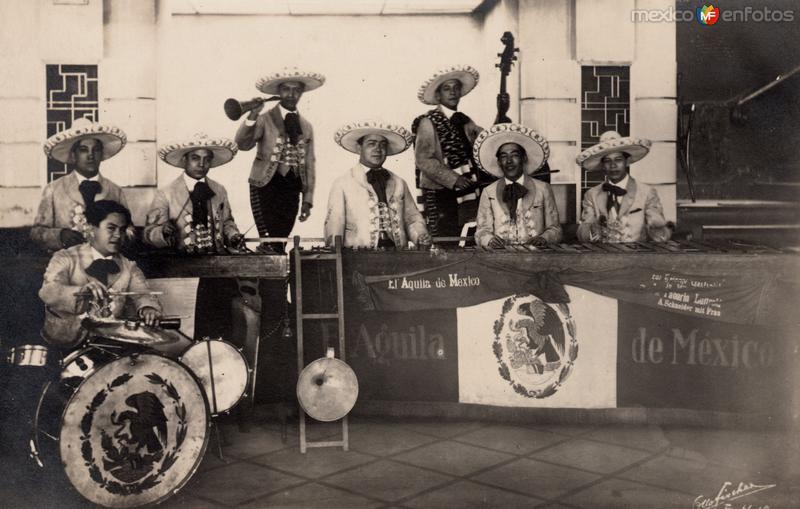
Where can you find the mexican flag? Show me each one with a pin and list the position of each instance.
(520, 351)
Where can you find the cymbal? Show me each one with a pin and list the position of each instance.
(327, 389)
(130, 332)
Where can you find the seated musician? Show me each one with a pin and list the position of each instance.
(369, 206)
(516, 209)
(621, 209)
(86, 277)
(61, 219)
(192, 214)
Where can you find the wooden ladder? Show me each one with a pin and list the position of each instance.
(301, 316)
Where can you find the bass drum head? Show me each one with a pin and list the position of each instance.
(230, 371)
(134, 432)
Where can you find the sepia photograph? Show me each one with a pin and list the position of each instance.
(400, 254)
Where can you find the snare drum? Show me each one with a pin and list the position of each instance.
(128, 429)
(221, 369)
(28, 355)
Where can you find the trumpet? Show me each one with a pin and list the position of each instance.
(234, 109)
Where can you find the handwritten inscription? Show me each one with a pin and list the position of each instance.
(728, 493)
(453, 280)
(690, 348)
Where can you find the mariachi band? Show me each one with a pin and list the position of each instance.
(475, 183)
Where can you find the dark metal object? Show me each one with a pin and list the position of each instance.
(234, 109)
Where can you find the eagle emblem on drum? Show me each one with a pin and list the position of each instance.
(535, 345)
(139, 439)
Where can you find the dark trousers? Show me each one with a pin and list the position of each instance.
(441, 212)
(275, 206)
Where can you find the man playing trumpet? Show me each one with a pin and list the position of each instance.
(284, 167)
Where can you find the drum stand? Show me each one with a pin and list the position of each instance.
(339, 315)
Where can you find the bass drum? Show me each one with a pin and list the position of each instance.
(221, 369)
(129, 430)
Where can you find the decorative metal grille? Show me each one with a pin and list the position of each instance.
(605, 106)
(71, 94)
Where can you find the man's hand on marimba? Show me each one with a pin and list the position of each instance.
(537, 242)
(236, 241)
(596, 229)
(496, 242)
(424, 241)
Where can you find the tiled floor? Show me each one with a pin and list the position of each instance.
(432, 464)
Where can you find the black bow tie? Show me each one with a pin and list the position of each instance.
(511, 195)
(200, 196)
(378, 177)
(100, 269)
(89, 189)
(614, 190)
(459, 119)
(292, 124)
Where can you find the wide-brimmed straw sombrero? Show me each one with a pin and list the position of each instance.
(611, 141)
(59, 145)
(486, 145)
(222, 148)
(463, 73)
(269, 84)
(398, 137)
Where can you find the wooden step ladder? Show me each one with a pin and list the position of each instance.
(299, 255)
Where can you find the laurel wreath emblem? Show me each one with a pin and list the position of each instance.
(170, 457)
(566, 367)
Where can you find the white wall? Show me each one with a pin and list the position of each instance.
(557, 37)
(165, 72)
(374, 66)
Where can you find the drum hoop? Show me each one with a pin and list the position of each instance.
(248, 373)
(75, 354)
(15, 353)
(203, 448)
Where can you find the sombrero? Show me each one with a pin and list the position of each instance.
(463, 73)
(398, 137)
(112, 138)
(611, 141)
(487, 143)
(269, 84)
(222, 148)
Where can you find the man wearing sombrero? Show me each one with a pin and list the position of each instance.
(516, 209)
(192, 214)
(284, 167)
(369, 206)
(621, 209)
(61, 219)
(447, 174)
(80, 280)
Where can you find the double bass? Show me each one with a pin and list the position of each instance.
(507, 59)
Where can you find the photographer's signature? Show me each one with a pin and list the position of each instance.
(728, 493)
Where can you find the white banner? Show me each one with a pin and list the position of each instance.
(179, 299)
(520, 351)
